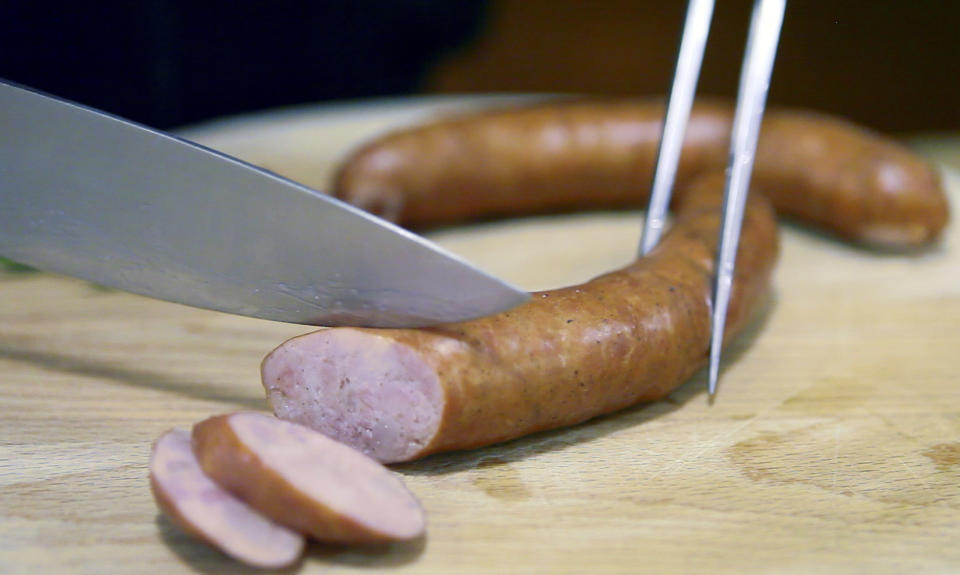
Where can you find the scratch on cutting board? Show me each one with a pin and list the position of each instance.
(899, 457)
(717, 441)
(836, 456)
(923, 483)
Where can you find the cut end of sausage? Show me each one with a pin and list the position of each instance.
(202, 508)
(307, 481)
(367, 391)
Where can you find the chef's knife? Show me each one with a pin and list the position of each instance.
(90, 195)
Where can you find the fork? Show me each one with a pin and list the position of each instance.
(761, 48)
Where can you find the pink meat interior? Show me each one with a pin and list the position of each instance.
(236, 528)
(359, 388)
(336, 476)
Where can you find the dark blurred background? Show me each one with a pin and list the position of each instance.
(891, 65)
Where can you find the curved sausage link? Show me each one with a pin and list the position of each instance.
(566, 356)
(596, 154)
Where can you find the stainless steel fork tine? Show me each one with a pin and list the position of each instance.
(696, 28)
(761, 49)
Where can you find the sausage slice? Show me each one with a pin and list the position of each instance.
(205, 510)
(307, 481)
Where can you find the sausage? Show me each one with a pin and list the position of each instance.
(205, 510)
(564, 357)
(306, 481)
(578, 155)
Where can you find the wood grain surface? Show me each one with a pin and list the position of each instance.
(834, 444)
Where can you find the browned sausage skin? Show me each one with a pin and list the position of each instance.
(566, 356)
(589, 155)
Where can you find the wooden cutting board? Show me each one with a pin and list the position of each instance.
(834, 444)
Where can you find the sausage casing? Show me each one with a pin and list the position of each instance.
(565, 356)
(580, 155)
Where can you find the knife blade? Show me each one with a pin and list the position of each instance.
(90, 195)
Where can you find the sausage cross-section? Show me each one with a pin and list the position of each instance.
(306, 481)
(565, 356)
(202, 508)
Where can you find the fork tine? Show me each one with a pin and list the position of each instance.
(761, 49)
(693, 41)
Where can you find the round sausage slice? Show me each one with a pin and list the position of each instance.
(307, 481)
(205, 510)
